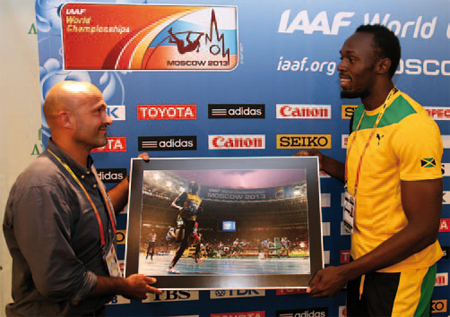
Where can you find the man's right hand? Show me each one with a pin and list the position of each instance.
(135, 286)
(312, 152)
(138, 286)
(327, 164)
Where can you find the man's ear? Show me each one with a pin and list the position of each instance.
(383, 65)
(65, 120)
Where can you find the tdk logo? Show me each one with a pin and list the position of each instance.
(112, 175)
(236, 111)
(236, 293)
(116, 113)
(167, 143)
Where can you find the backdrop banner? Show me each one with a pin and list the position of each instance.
(239, 79)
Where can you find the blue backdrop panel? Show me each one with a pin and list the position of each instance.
(287, 54)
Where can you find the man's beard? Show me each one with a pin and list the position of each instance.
(357, 94)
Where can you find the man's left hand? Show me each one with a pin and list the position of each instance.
(327, 282)
(144, 156)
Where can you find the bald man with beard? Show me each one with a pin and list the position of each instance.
(59, 221)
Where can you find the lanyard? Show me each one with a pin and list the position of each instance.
(380, 115)
(102, 190)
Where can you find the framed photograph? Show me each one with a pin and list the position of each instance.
(225, 223)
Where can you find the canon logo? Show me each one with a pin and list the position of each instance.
(303, 111)
(168, 143)
(236, 111)
(303, 141)
(237, 142)
(167, 112)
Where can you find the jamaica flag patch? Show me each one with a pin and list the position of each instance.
(428, 162)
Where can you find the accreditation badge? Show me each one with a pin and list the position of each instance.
(349, 210)
(112, 262)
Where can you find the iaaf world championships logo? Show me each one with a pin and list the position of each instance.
(149, 37)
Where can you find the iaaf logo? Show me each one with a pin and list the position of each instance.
(438, 113)
(112, 175)
(348, 110)
(172, 296)
(286, 111)
(116, 113)
(445, 224)
(167, 143)
(304, 312)
(321, 23)
(243, 111)
(237, 142)
(115, 144)
(302, 141)
(236, 293)
(441, 279)
(241, 314)
(167, 112)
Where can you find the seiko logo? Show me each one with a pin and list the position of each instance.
(170, 296)
(168, 143)
(348, 110)
(236, 293)
(439, 306)
(237, 142)
(115, 144)
(113, 175)
(298, 141)
(236, 111)
(303, 111)
(438, 113)
(116, 113)
(167, 112)
(305, 312)
(441, 279)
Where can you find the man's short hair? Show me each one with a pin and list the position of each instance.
(386, 43)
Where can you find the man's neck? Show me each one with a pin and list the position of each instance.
(79, 155)
(377, 97)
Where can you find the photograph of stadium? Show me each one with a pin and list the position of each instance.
(224, 222)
